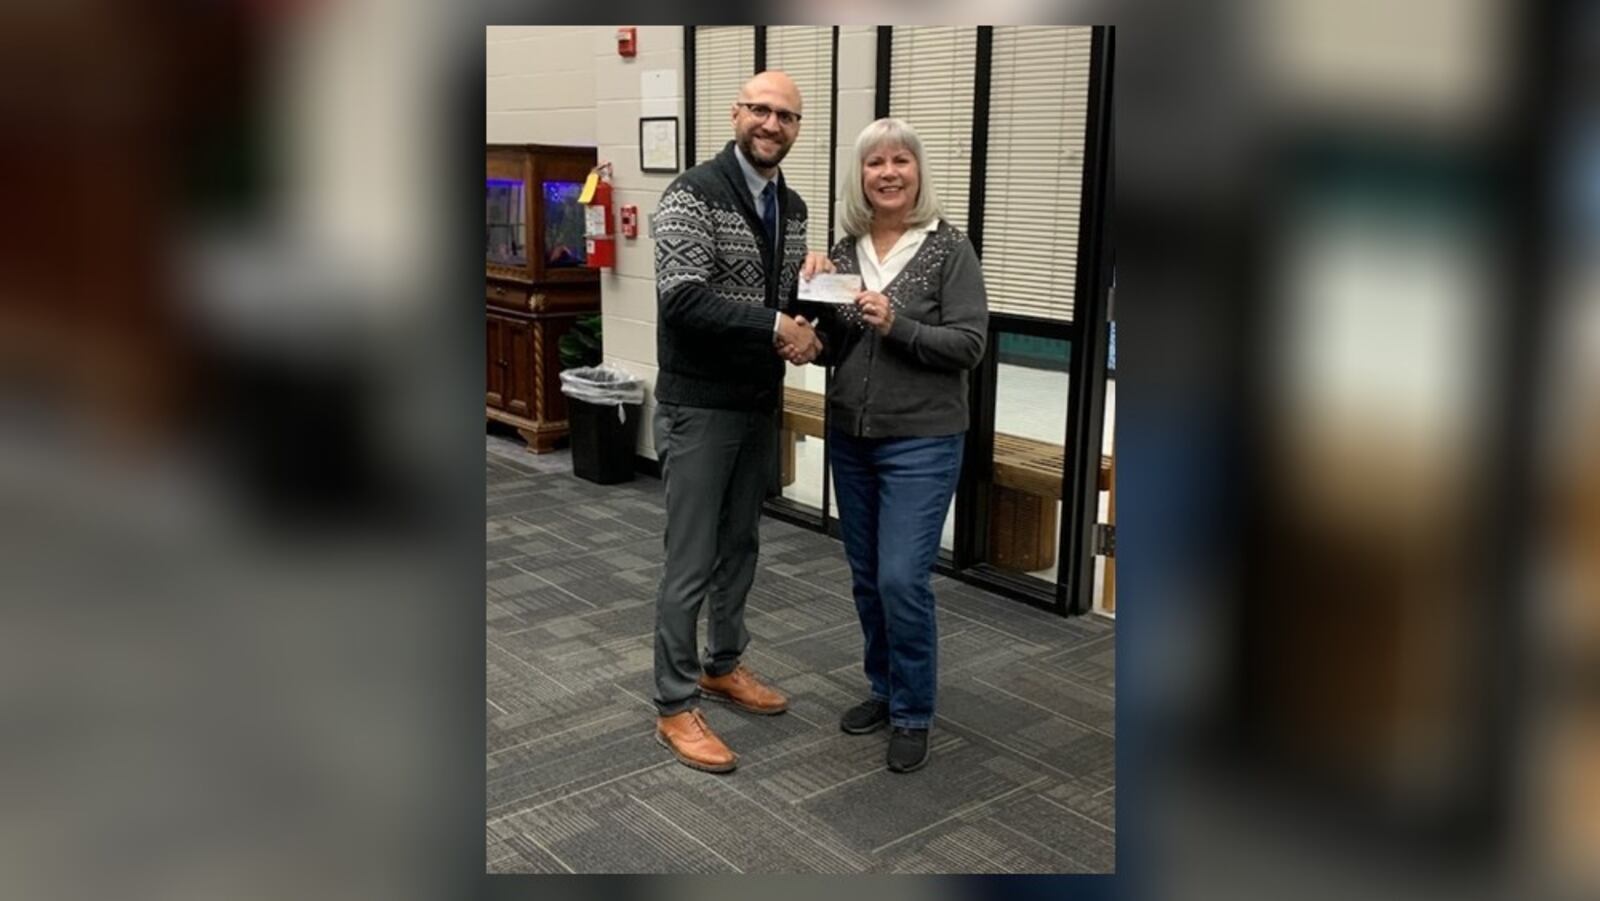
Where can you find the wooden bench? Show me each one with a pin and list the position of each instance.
(1022, 505)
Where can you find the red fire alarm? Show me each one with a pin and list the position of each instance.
(630, 221)
(627, 41)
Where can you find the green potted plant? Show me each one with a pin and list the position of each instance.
(581, 346)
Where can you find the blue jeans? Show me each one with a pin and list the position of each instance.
(893, 495)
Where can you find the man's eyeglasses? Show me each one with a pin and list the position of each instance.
(762, 111)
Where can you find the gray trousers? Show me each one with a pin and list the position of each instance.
(716, 465)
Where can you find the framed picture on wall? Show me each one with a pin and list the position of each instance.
(658, 144)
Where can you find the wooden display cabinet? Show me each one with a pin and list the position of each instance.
(537, 283)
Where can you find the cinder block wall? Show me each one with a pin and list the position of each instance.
(568, 86)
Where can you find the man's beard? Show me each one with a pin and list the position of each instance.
(747, 143)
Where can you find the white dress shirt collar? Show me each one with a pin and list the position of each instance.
(877, 275)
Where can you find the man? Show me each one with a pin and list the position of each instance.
(730, 240)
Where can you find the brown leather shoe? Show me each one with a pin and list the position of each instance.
(742, 689)
(690, 739)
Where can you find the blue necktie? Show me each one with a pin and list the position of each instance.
(769, 212)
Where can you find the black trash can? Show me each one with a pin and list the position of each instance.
(604, 407)
(602, 442)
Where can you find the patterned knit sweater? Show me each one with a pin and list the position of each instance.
(718, 287)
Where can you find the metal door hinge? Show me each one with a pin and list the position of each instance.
(1105, 540)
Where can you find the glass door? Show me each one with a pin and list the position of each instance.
(1030, 426)
(802, 459)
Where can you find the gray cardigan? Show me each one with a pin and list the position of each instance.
(911, 383)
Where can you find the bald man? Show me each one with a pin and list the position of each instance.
(730, 241)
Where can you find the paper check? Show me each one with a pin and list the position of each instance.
(830, 287)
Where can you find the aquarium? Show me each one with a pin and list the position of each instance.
(508, 241)
(563, 224)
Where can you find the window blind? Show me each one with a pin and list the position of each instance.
(1038, 113)
(805, 52)
(931, 87)
(724, 59)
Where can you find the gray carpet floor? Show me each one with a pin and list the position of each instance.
(1022, 776)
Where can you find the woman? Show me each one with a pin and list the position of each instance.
(897, 413)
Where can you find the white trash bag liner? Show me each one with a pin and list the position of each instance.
(606, 386)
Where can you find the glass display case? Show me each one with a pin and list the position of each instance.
(507, 232)
(563, 224)
(538, 282)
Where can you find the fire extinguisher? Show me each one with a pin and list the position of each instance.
(600, 241)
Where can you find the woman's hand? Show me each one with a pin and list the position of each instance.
(876, 310)
(815, 262)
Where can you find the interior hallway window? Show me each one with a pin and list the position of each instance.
(1038, 115)
(932, 69)
(805, 52)
(724, 59)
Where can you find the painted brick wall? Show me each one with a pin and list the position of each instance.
(568, 86)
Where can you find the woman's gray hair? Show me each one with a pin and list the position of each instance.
(855, 214)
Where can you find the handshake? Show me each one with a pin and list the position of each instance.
(796, 340)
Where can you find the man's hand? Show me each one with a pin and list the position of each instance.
(815, 262)
(792, 331)
(800, 346)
